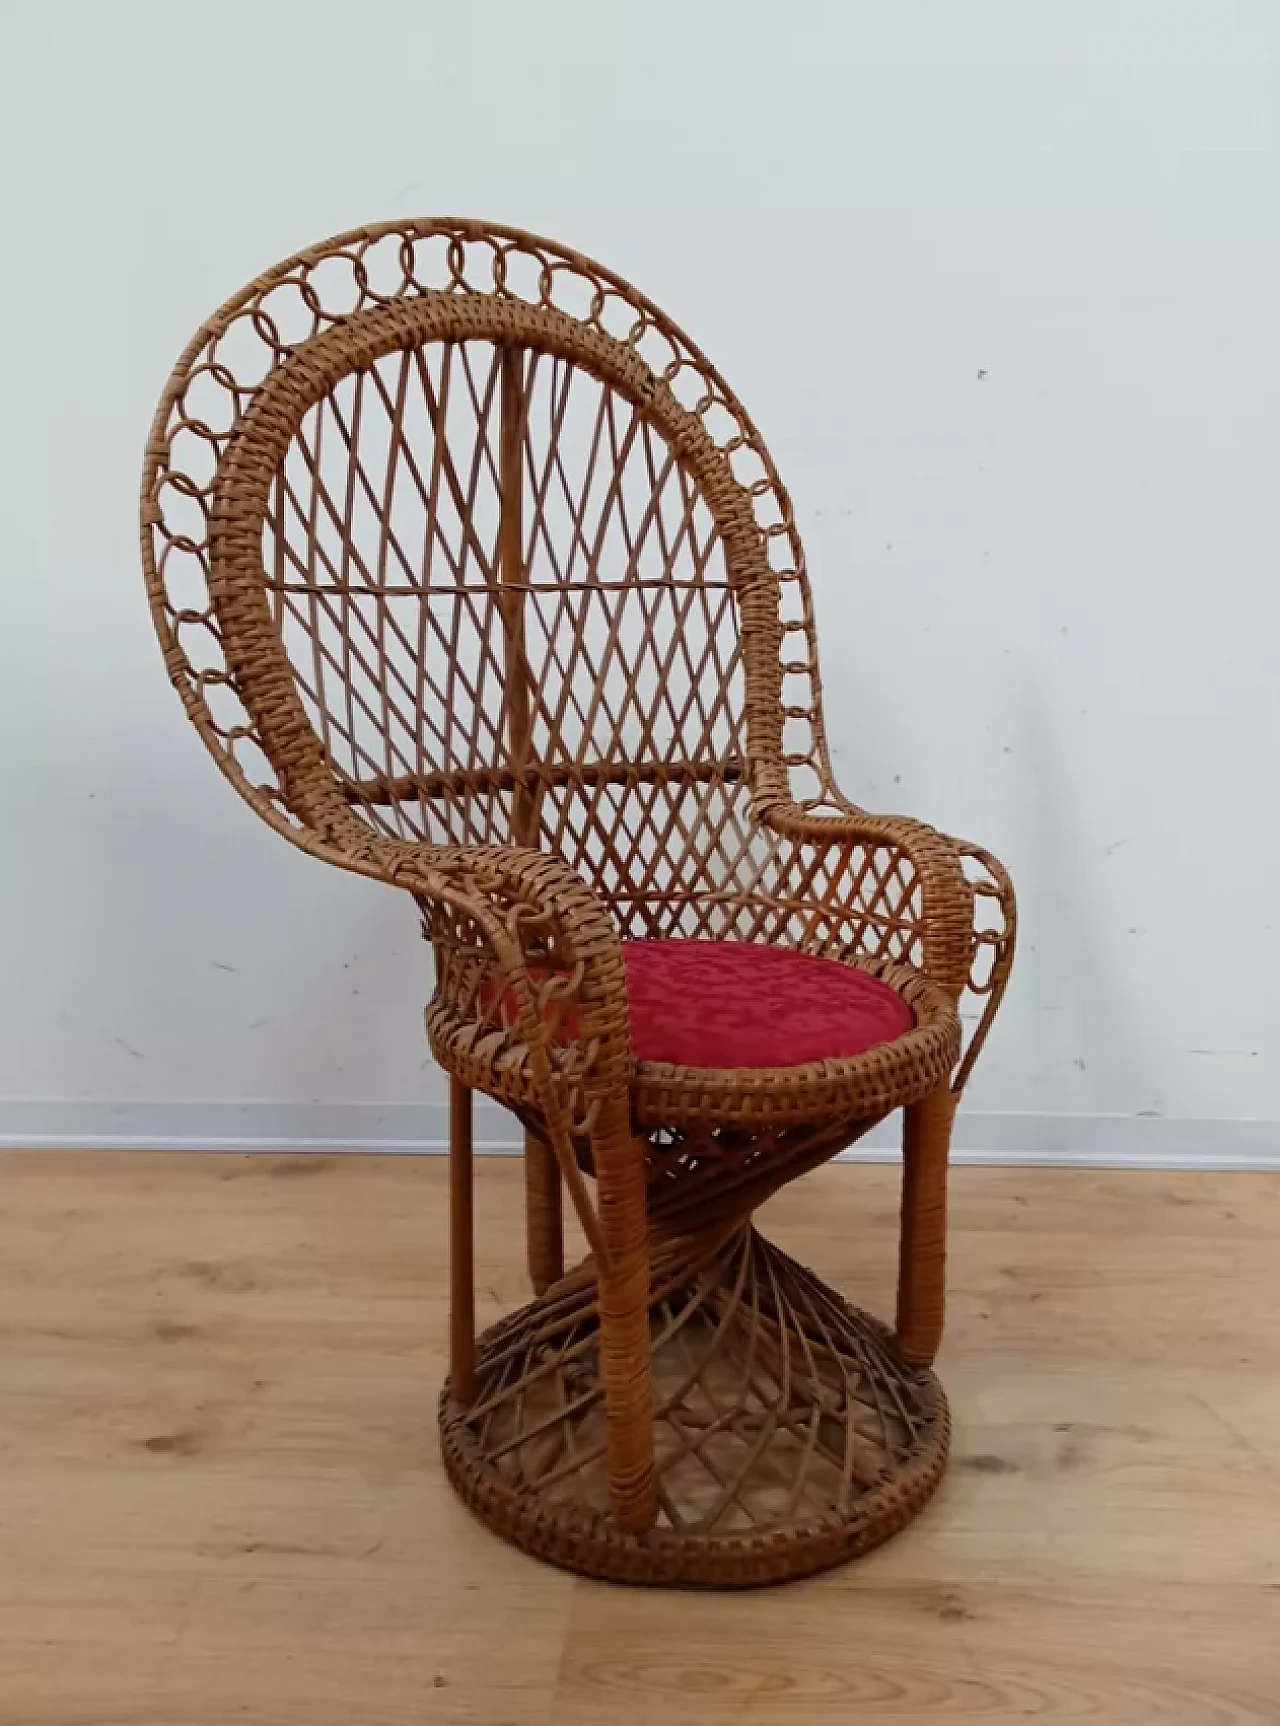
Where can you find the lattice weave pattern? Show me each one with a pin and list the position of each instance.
(459, 392)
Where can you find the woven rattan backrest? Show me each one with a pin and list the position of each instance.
(451, 531)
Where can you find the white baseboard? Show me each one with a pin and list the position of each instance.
(1085, 1141)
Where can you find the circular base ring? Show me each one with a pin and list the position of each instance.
(789, 1434)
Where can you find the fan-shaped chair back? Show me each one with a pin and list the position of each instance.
(452, 533)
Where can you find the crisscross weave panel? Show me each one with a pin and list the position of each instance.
(490, 630)
(616, 626)
(364, 516)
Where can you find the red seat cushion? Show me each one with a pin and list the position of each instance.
(735, 1004)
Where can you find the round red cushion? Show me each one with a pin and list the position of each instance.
(734, 1004)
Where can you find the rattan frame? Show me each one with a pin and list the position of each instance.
(518, 839)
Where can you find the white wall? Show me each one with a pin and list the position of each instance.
(999, 281)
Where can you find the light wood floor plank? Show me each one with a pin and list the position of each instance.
(221, 1497)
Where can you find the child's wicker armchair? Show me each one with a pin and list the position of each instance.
(476, 577)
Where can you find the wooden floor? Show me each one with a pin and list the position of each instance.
(220, 1496)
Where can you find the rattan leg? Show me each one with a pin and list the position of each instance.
(625, 1363)
(544, 1221)
(462, 1307)
(922, 1263)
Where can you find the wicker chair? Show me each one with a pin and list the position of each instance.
(476, 578)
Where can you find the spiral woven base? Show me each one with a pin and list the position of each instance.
(789, 1434)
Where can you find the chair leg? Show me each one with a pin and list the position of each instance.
(922, 1261)
(544, 1221)
(462, 1298)
(625, 1347)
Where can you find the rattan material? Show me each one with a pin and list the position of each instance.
(788, 1437)
(476, 578)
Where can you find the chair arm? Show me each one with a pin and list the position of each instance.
(883, 886)
(995, 931)
(529, 960)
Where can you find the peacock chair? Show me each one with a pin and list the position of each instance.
(476, 578)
